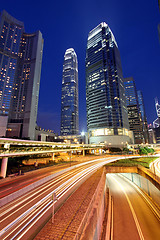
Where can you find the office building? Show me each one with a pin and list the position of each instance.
(134, 115)
(69, 97)
(143, 115)
(156, 122)
(25, 92)
(20, 70)
(10, 34)
(107, 118)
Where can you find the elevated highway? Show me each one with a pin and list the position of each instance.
(37, 147)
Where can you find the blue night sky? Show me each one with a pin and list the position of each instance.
(66, 24)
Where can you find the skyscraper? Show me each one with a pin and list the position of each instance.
(134, 115)
(25, 92)
(107, 118)
(69, 97)
(156, 122)
(143, 115)
(20, 70)
(10, 34)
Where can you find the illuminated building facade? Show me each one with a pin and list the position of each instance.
(143, 116)
(134, 115)
(10, 34)
(69, 97)
(19, 77)
(25, 93)
(107, 118)
(156, 122)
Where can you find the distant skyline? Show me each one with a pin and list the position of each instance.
(66, 24)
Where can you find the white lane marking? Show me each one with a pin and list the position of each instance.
(82, 174)
(147, 200)
(132, 210)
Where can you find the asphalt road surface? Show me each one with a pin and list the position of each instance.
(134, 215)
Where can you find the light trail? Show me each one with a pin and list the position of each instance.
(46, 187)
(132, 210)
(135, 214)
(60, 190)
(5, 189)
(155, 166)
(154, 210)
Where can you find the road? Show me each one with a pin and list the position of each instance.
(133, 213)
(13, 216)
(10, 185)
(155, 167)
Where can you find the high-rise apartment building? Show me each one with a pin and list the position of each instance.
(143, 115)
(107, 118)
(69, 97)
(134, 115)
(20, 70)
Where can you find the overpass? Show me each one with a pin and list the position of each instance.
(17, 147)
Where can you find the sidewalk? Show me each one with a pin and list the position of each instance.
(68, 218)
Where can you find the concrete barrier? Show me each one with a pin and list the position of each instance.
(145, 185)
(144, 178)
(91, 225)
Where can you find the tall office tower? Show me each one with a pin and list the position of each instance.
(25, 93)
(20, 68)
(107, 118)
(69, 98)
(143, 116)
(10, 34)
(156, 122)
(134, 116)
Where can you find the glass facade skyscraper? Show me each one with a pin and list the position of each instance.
(69, 97)
(25, 92)
(10, 34)
(20, 69)
(143, 115)
(105, 94)
(134, 115)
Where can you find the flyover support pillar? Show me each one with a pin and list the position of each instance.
(4, 167)
(100, 151)
(83, 153)
(53, 157)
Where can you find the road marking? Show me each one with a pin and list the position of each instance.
(145, 197)
(132, 210)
